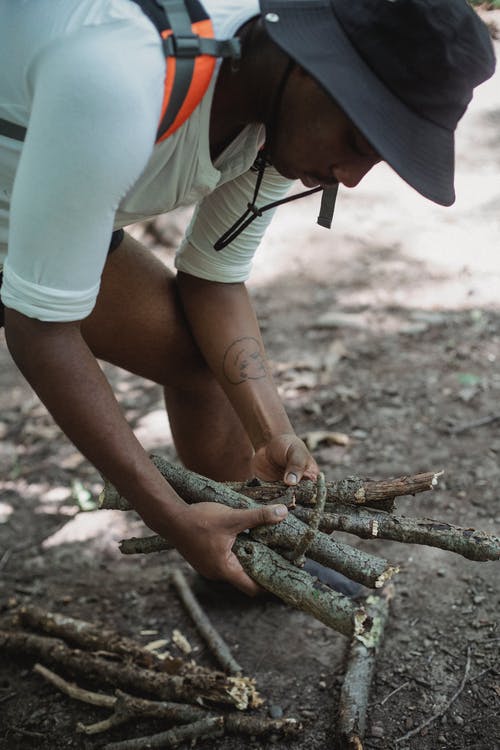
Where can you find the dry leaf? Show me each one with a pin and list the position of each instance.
(322, 437)
(155, 645)
(181, 642)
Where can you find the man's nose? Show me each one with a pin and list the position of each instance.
(352, 172)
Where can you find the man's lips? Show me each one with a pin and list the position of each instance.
(309, 181)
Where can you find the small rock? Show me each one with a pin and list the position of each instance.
(377, 730)
(359, 434)
(459, 720)
(275, 711)
(479, 598)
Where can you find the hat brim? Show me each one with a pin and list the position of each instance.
(421, 152)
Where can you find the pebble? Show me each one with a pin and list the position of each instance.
(459, 720)
(377, 730)
(275, 711)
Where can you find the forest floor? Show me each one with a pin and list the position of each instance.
(386, 329)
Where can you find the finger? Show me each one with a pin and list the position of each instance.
(312, 470)
(238, 578)
(298, 461)
(247, 519)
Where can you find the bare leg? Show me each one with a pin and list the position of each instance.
(138, 324)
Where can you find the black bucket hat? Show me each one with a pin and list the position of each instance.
(402, 70)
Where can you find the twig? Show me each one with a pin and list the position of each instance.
(438, 715)
(214, 640)
(73, 691)
(352, 490)
(370, 524)
(85, 635)
(144, 544)
(313, 522)
(472, 425)
(7, 697)
(228, 724)
(209, 727)
(393, 692)
(130, 707)
(359, 673)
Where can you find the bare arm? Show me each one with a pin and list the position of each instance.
(59, 366)
(224, 324)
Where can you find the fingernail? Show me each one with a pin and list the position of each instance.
(291, 478)
(280, 510)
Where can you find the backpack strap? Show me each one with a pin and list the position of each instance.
(12, 130)
(188, 38)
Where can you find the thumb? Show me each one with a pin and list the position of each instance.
(248, 519)
(297, 459)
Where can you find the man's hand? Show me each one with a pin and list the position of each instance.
(285, 457)
(204, 534)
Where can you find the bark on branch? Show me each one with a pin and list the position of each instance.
(301, 590)
(349, 491)
(86, 635)
(370, 524)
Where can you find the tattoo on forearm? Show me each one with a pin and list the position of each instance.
(244, 360)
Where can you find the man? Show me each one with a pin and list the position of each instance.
(327, 88)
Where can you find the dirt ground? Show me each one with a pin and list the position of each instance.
(387, 329)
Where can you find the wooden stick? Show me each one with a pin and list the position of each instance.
(200, 684)
(313, 522)
(86, 635)
(369, 524)
(213, 639)
(356, 564)
(130, 707)
(143, 544)
(229, 724)
(349, 491)
(209, 727)
(73, 691)
(359, 674)
(301, 590)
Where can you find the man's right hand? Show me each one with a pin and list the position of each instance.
(204, 534)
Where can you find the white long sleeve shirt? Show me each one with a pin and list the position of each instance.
(86, 78)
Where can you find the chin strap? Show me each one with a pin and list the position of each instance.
(262, 161)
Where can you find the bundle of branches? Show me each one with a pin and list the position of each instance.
(273, 555)
(179, 692)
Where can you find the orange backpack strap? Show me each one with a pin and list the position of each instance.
(188, 38)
